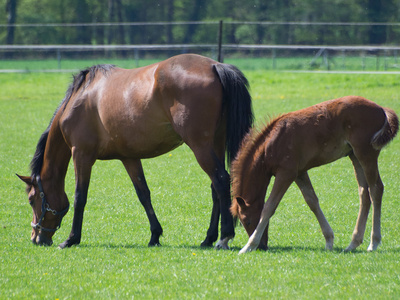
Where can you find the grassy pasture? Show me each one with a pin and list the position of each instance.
(264, 61)
(113, 260)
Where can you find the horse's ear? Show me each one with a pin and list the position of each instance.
(26, 179)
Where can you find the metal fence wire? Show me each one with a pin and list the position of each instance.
(231, 41)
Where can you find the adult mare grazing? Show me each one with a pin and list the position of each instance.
(113, 113)
(298, 141)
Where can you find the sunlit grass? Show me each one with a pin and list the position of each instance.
(113, 260)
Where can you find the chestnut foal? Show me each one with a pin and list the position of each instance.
(297, 141)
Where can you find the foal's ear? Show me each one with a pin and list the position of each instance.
(240, 201)
(26, 179)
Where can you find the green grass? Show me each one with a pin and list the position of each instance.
(113, 260)
(261, 62)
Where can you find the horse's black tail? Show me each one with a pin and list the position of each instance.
(237, 102)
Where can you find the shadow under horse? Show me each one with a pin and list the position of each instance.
(113, 113)
(298, 141)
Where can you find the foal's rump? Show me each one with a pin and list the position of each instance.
(388, 131)
(364, 118)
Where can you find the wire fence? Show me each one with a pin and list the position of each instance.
(313, 56)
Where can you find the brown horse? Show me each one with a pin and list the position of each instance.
(113, 113)
(298, 141)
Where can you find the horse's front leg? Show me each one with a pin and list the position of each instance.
(135, 171)
(83, 169)
(281, 184)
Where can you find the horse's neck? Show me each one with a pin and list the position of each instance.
(56, 156)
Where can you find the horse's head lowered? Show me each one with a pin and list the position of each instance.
(46, 219)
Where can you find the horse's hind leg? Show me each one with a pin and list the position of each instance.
(213, 165)
(135, 171)
(306, 188)
(212, 232)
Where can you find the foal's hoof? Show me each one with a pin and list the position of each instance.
(373, 247)
(353, 245)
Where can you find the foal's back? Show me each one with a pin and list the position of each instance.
(325, 132)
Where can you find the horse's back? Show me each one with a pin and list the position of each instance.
(147, 111)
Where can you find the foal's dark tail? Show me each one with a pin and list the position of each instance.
(237, 102)
(388, 131)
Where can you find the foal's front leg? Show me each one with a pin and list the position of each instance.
(306, 188)
(281, 184)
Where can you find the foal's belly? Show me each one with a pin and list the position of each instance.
(329, 153)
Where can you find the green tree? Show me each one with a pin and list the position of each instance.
(11, 10)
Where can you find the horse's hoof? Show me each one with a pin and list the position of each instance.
(154, 245)
(222, 244)
(69, 243)
(64, 245)
(262, 248)
(206, 244)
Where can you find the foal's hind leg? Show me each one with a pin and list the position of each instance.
(370, 190)
(306, 188)
(135, 171)
(365, 204)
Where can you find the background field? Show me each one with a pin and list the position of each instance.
(264, 60)
(113, 260)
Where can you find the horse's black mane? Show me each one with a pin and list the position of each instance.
(87, 76)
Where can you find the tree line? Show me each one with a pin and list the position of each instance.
(287, 12)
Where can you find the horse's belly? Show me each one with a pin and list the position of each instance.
(141, 144)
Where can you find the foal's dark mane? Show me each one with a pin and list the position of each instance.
(251, 142)
(77, 82)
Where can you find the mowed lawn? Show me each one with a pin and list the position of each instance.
(113, 260)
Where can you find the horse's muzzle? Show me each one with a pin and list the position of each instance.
(41, 240)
